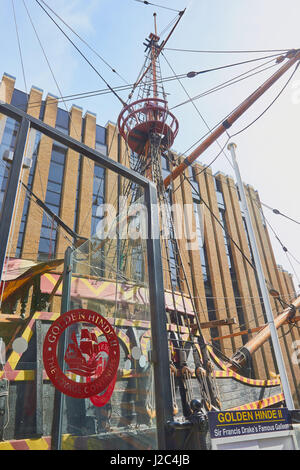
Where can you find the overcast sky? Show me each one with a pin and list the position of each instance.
(268, 152)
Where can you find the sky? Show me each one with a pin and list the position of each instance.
(268, 151)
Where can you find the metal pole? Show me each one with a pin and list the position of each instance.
(261, 279)
(58, 396)
(160, 351)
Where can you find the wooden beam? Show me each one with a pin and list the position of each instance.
(254, 330)
(215, 323)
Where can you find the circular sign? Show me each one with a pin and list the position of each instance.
(20, 345)
(82, 359)
(136, 353)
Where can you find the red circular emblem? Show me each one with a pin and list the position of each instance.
(84, 357)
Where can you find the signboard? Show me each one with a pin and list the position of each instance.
(251, 429)
(245, 422)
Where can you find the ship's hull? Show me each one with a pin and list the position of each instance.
(128, 421)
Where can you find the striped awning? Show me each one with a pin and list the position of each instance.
(110, 291)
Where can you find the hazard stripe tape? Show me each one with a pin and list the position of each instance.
(42, 443)
(69, 442)
(14, 357)
(229, 373)
(256, 405)
(144, 341)
(10, 366)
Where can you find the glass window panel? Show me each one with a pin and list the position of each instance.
(8, 132)
(56, 172)
(46, 232)
(62, 119)
(110, 279)
(102, 148)
(55, 187)
(52, 198)
(19, 99)
(100, 135)
(44, 245)
(58, 155)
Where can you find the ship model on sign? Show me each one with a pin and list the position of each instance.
(84, 358)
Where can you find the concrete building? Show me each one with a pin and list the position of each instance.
(223, 282)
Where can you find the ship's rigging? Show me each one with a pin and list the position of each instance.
(149, 129)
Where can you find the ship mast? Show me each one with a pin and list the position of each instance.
(149, 129)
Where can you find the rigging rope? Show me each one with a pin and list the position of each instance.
(277, 212)
(81, 53)
(19, 46)
(81, 39)
(194, 74)
(228, 52)
(145, 2)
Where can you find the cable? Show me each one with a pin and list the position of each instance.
(85, 58)
(272, 102)
(284, 249)
(45, 55)
(79, 37)
(197, 110)
(212, 161)
(194, 74)
(214, 128)
(163, 31)
(228, 83)
(277, 212)
(215, 217)
(20, 50)
(227, 52)
(92, 93)
(220, 223)
(155, 5)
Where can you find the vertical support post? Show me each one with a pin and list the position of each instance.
(10, 195)
(274, 336)
(39, 378)
(58, 396)
(163, 393)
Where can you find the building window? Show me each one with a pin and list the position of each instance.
(26, 202)
(236, 291)
(7, 146)
(194, 183)
(98, 197)
(47, 246)
(219, 193)
(19, 99)
(205, 269)
(100, 134)
(62, 121)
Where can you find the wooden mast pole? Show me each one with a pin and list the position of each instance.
(293, 57)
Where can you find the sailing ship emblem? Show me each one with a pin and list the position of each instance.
(86, 358)
(96, 361)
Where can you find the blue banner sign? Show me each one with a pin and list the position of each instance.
(240, 423)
